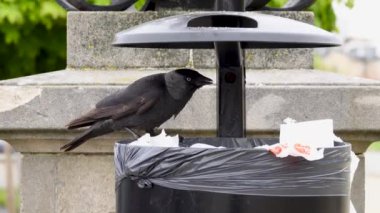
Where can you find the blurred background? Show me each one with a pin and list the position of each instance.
(33, 40)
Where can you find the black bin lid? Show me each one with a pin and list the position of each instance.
(202, 29)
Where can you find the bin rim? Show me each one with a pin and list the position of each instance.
(337, 144)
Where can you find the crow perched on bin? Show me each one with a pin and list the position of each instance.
(143, 105)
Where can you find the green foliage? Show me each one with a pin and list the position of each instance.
(32, 37)
(375, 147)
(139, 4)
(100, 2)
(323, 11)
(319, 64)
(2, 198)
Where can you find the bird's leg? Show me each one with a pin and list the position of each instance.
(152, 132)
(136, 136)
(155, 132)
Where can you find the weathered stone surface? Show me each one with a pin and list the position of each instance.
(271, 97)
(262, 58)
(358, 186)
(85, 183)
(38, 179)
(90, 35)
(268, 94)
(67, 183)
(267, 58)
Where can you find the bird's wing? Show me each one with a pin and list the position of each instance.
(93, 116)
(144, 87)
(137, 105)
(138, 97)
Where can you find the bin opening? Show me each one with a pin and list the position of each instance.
(228, 21)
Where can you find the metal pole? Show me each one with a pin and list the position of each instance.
(231, 89)
(116, 1)
(231, 79)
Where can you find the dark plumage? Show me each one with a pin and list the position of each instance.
(143, 105)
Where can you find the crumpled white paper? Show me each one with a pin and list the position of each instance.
(318, 133)
(164, 140)
(205, 146)
(303, 139)
(161, 140)
(296, 150)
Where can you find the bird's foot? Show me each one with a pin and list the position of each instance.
(153, 132)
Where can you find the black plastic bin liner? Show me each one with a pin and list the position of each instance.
(237, 178)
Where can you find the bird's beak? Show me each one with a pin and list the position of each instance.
(203, 81)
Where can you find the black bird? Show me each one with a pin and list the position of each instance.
(143, 105)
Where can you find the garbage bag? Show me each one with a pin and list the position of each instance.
(238, 169)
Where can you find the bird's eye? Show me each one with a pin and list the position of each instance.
(188, 79)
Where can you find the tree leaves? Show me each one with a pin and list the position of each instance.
(32, 37)
(139, 4)
(323, 12)
(10, 13)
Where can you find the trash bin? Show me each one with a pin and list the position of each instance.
(235, 179)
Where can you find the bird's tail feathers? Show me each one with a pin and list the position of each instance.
(98, 129)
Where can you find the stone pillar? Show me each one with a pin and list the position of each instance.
(358, 184)
(35, 109)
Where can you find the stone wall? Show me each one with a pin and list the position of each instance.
(90, 36)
